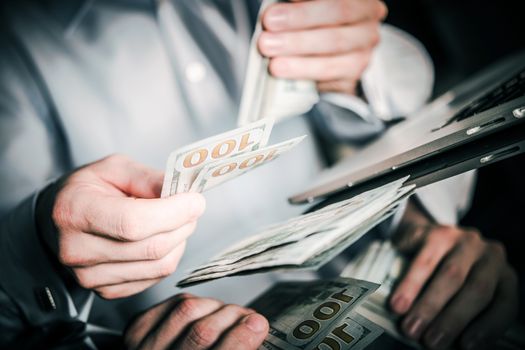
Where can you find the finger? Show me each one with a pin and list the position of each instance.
(471, 300)
(125, 289)
(321, 13)
(339, 67)
(130, 177)
(319, 41)
(131, 219)
(83, 249)
(438, 244)
(181, 316)
(143, 323)
(346, 86)
(203, 333)
(249, 333)
(496, 319)
(117, 273)
(448, 280)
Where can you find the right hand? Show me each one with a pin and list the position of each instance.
(106, 223)
(189, 322)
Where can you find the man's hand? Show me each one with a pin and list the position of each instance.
(188, 322)
(113, 232)
(459, 286)
(329, 41)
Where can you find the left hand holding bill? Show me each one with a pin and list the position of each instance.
(328, 41)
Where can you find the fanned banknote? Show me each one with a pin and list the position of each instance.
(265, 96)
(218, 172)
(317, 314)
(210, 162)
(308, 241)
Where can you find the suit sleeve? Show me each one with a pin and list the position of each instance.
(33, 291)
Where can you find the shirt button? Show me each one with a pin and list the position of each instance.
(195, 72)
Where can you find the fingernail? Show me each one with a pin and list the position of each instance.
(255, 322)
(276, 18)
(271, 44)
(436, 339)
(400, 304)
(413, 326)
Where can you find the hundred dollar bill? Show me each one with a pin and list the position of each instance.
(219, 172)
(184, 164)
(267, 97)
(304, 315)
(306, 242)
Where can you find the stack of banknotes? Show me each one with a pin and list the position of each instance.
(265, 96)
(380, 263)
(307, 241)
(317, 315)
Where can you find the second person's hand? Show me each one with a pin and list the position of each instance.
(328, 41)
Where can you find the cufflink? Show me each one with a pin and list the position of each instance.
(45, 299)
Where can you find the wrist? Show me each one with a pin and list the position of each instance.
(45, 225)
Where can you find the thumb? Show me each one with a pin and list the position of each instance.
(132, 178)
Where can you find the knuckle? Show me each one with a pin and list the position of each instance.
(183, 296)
(483, 288)
(447, 233)
(234, 309)
(108, 293)
(454, 273)
(497, 249)
(168, 265)
(202, 335)
(381, 10)
(426, 261)
(116, 158)
(188, 309)
(473, 236)
(155, 250)
(279, 67)
(84, 278)
(61, 213)
(375, 36)
(127, 229)
(67, 257)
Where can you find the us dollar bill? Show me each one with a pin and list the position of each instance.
(308, 241)
(185, 164)
(317, 314)
(219, 172)
(265, 96)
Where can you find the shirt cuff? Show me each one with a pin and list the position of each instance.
(28, 275)
(448, 200)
